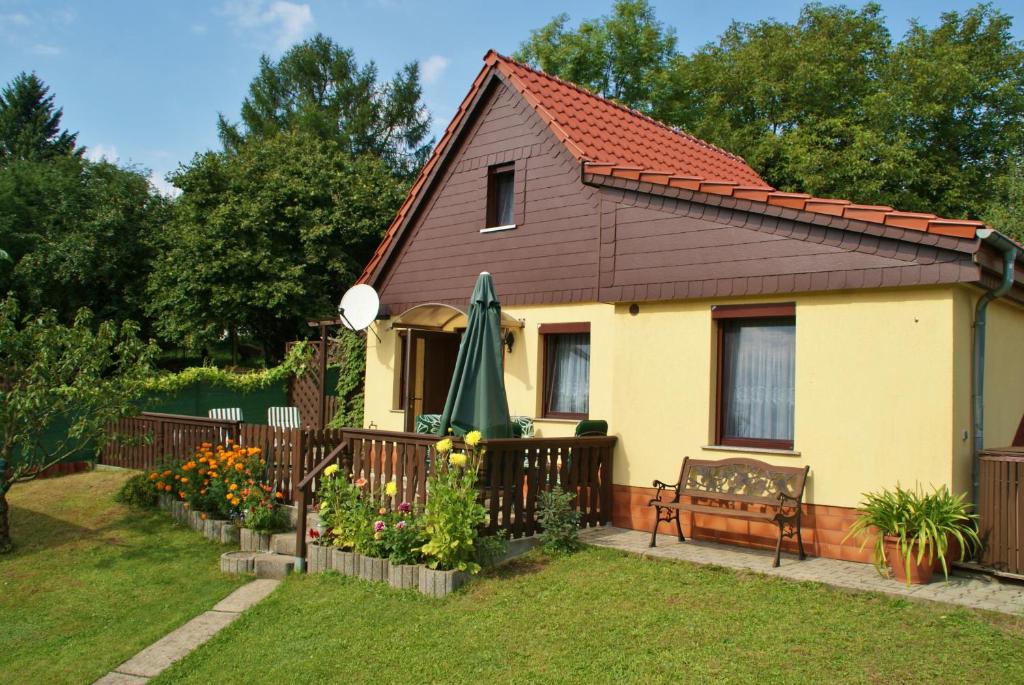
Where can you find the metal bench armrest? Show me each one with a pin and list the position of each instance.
(662, 487)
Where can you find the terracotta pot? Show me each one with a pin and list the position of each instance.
(920, 573)
(952, 554)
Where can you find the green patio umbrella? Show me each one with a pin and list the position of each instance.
(476, 398)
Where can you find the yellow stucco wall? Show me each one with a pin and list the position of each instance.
(879, 385)
(1004, 374)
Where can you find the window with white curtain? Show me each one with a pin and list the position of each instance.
(567, 373)
(756, 380)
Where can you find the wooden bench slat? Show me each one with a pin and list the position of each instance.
(722, 511)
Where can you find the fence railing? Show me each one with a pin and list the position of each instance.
(1001, 514)
(514, 471)
(150, 439)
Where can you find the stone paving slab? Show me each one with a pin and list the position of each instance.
(154, 659)
(969, 590)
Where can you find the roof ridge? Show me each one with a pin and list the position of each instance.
(618, 105)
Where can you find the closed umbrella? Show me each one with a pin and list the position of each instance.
(476, 398)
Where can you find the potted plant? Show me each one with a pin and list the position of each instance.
(914, 531)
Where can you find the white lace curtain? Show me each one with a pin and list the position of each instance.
(568, 373)
(757, 380)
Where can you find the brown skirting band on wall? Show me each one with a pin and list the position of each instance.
(823, 527)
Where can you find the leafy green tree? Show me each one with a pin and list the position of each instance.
(1006, 213)
(30, 124)
(59, 387)
(266, 238)
(318, 88)
(80, 234)
(622, 56)
(957, 92)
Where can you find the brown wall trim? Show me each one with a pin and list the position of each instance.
(556, 328)
(753, 311)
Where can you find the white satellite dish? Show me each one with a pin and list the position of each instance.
(359, 307)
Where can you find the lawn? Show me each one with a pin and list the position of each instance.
(601, 617)
(91, 583)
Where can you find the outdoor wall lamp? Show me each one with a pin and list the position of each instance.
(509, 340)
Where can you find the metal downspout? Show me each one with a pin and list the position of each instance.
(1010, 252)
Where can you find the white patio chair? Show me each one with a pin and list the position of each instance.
(284, 417)
(226, 413)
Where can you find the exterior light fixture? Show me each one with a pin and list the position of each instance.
(509, 340)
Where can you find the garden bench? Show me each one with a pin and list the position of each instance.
(739, 488)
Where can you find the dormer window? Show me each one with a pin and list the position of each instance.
(500, 183)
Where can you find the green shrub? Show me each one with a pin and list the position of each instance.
(137, 492)
(266, 517)
(559, 521)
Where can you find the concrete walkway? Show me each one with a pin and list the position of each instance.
(161, 654)
(969, 590)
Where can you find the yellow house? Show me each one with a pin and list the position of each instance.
(657, 282)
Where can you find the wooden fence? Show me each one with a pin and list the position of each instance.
(150, 440)
(1001, 515)
(514, 471)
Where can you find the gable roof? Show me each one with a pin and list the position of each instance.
(611, 140)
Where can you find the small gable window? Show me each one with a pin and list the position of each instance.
(500, 183)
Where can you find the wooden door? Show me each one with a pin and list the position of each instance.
(430, 363)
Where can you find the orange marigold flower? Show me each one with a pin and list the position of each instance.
(181, 494)
(202, 516)
(239, 467)
(167, 473)
(278, 495)
(233, 486)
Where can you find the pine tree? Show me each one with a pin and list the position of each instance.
(30, 124)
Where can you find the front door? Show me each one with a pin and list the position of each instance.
(431, 363)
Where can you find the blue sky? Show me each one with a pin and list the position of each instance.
(143, 82)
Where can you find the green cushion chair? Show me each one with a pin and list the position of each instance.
(588, 427)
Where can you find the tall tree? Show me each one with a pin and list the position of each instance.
(318, 88)
(266, 238)
(30, 123)
(621, 56)
(80, 234)
(63, 381)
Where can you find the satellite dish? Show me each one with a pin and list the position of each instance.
(359, 307)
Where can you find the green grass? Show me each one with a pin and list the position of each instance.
(604, 617)
(90, 583)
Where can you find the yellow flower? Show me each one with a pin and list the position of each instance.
(444, 446)
(457, 459)
(472, 438)
(233, 486)
(391, 489)
(331, 470)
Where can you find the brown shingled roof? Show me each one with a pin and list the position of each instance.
(613, 140)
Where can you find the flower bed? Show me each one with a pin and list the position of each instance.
(373, 536)
(223, 492)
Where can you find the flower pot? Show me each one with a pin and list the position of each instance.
(177, 510)
(952, 555)
(344, 562)
(436, 583)
(404, 576)
(195, 520)
(229, 534)
(319, 558)
(920, 573)
(251, 541)
(164, 500)
(372, 568)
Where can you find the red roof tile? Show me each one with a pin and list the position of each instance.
(599, 130)
(613, 140)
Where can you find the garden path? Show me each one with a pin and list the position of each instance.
(151, 661)
(969, 590)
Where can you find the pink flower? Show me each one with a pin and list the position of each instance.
(378, 526)
(404, 507)
(400, 525)
(360, 482)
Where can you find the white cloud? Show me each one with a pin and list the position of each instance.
(284, 22)
(161, 185)
(16, 19)
(46, 50)
(198, 29)
(432, 67)
(95, 153)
